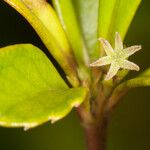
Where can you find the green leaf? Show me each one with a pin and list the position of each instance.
(44, 20)
(141, 81)
(87, 14)
(31, 90)
(116, 16)
(68, 18)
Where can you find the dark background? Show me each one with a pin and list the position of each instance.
(129, 128)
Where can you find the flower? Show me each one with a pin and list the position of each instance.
(117, 58)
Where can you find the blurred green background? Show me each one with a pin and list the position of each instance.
(129, 128)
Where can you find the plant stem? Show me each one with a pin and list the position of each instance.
(96, 136)
(95, 121)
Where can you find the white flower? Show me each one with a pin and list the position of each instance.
(117, 58)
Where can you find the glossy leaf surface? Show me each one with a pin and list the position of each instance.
(116, 16)
(140, 81)
(31, 90)
(87, 14)
(68, 18)
(44, 20)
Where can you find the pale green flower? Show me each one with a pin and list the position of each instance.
(117, 58)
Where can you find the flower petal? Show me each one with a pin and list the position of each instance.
(112, 71)
(118, 42)
(129, 65)
(102, 61)
(131, 50)
(107, 47)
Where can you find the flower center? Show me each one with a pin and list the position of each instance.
(119, 56)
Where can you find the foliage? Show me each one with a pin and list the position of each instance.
(70, 32)
(34, 91)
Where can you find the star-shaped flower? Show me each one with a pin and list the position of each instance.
(116, 57)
